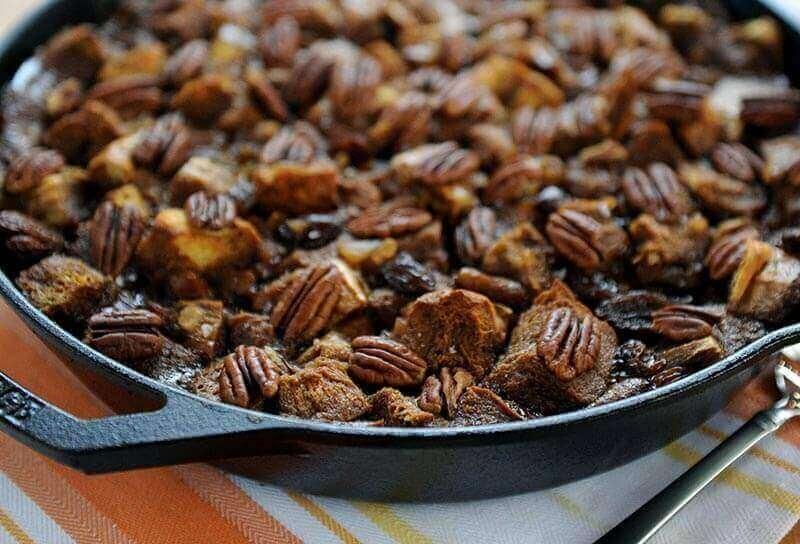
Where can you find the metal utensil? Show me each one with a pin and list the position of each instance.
(640, 526)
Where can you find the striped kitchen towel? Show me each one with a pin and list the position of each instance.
(757, 501)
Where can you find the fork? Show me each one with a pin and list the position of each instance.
(640, 526)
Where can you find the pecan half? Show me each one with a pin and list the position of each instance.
(499, 289)
(657, 191)
(353, 84)
(300, 143)
(779, 111)
(165, 147)
(404, 124)
(129, 95)
(26, 236)
(127, 335)
(727, 247)
(187, 62)
(476, 234)
(523, 177)
(585, 241)
(249, 375)
(723, 194)
(682, 322)
(436, 164)
(210, 211)
(377, 360)
(305, 307)
(114, 234)
(676, 100)
(738, 161)
(392, 218)
(266, 94)
(280, 42)
(310, 76)
(570, 346)
(28, 169)
(454, 382)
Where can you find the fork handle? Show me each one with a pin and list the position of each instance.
(640, 526)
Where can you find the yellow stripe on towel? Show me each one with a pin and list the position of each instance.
(391, 524)
(745, 483)
(323, 517)
(13, 529)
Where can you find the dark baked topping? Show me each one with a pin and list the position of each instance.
(410, 214)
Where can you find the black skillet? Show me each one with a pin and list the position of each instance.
(344, 460)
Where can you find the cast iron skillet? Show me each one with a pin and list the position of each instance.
(345, 460)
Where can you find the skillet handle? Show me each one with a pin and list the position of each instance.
(185, 429)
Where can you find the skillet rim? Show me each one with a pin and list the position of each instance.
(62, 342)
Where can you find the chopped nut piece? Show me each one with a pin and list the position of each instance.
(452, 328)
(454, 383)
(766, 285)
(397, 410)
(127, 336)
(430, 399)
(250, 375)
(297, 188)
(25, 237)
(553, 341)
(202, 323)
(65, 288)
(113, 236)
(380, 361)
(481, 406)
(323, 392)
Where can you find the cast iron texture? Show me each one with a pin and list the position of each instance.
(343, 460)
